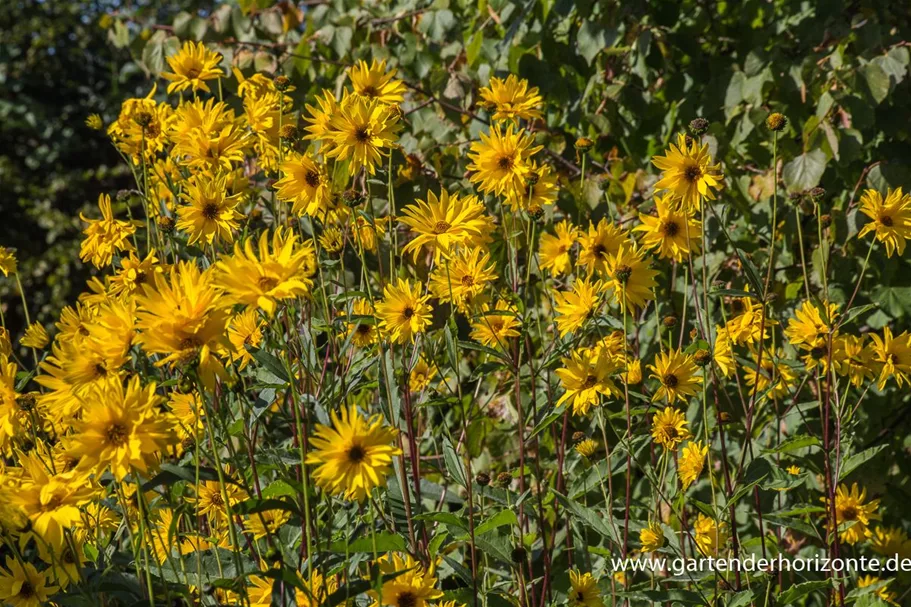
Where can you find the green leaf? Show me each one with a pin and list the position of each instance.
(858, 459)
(798, 591)
(171, 474)
(877, 80)
(588, 517)
(272, 363)
(454, 465)
(804, 172)
(500, 519)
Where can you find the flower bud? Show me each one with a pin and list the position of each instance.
(482, 479)
(519, 554)
(94, 122)
(504, 479)
(282, 83)
(669, 321)
(583, 144)
(702, 357)
(165, 224)
(776, 122)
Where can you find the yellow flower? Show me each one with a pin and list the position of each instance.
(598, 244)
(211, 215)
(793, 470)
(184, 317)
(852, 357)
(586, 377)
(578, 305)
(421, 374)
(267, 522)
(403, 311)
(444, 223)
(852, 507)
(414, 588)
(245, 330)
(21, 585)
(105, 236)
(722, 353)
(359, 131)
(688, 173)
(894, 355)
(134, 273)
(320, 118)
(512, 98)
(11, 414)
(691, 463)
(631, 277)
(673, 232)
(375, 83)
(669, 428)
(783, 375)
(651, 537)
(891, 218)
(35, 336)
(193, 65)
(281, 270)
(6, 344)
(353, 456)
(50, 501)
(744, 328)
(500, 161)
(633, 373)
(882, 592)
(539, 190)
(123, 430)
(463, 278)
(94, 122)
(678, 375)
(494, 327)
(7, 261)
(362, 333)
(710, 536)
(141, 129)
(889, 541)
(584, 590)
(554, 249)
(587, 448)
(808, 325)
(305, 185)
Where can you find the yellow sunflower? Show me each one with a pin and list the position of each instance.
(211, 215)
(678, 375)
(688, 172)
(891, 218)
(852, 509)
(192, 66)
(444, 223)
(673, 233)
(374, 82)
(403, 312)
(354, 455)
(512, 99)
(500, 161)
(669, 428)
(360, 131)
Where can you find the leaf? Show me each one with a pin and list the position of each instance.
(858, 459)
(804, 172)
(588, 517)
(877, 80)
(798, 591)
(272, 363)
(500, 519)
(591, 40)
(454, 465)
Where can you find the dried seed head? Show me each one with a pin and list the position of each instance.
(578, 436)
(669, 321)
(482, 479)
(504, 479)
(165, 224)
(282, 83)
(698, 126)
(702, 357)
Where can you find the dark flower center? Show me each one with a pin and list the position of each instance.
(407, 599)
(441, 226)
(193, 72)
(356, 454)
(361, 134)
(363, 329)
(467, 281)
(210, 210)
(312, 179)
(600, 250)
(26, 590)
(623, 273)
(505, 163)
(670, 380)
(886, 221)
(117, 434)
(590, 381)
(692, 173)
(849, 513)
(267, 283)
(370, 91)
(670, 228)
(408, 312)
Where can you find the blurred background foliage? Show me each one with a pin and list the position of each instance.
(628, 75)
